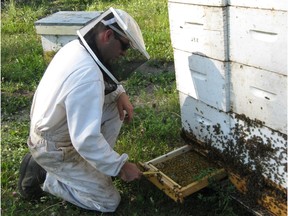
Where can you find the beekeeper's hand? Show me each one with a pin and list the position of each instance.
(130, 172)
(123, 104)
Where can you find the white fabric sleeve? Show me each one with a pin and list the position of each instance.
(84, 113)
(113, 96)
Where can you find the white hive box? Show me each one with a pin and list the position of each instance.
(203, 121)
(60, 28)
(203, 78)
(259, 94)
(258, 38)
(261, 4)
(199, 29)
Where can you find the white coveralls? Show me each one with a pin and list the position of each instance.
(74, 127)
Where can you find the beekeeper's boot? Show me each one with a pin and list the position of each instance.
(32, 176)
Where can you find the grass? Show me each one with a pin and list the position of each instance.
(154, 131)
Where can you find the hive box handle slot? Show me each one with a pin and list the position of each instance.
(260, 93)
(264, 36)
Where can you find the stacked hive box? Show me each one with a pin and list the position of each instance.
(231, 72)
(258, 54)
(259, 73)
(199, 39)
(258, 65)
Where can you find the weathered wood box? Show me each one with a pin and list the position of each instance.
(60, 28)
(181, 172)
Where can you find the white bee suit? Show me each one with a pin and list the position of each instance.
(74, 127)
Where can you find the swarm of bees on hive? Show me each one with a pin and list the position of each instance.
(246, 155)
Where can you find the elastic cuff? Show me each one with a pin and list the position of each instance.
(113, 96)
(120, 89)
(126, 158)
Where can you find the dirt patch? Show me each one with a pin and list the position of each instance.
(156, 68)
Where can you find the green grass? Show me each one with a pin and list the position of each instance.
(154, 131)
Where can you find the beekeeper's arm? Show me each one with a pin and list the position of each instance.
(123, 103)
(84, 113)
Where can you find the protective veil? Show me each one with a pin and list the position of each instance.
(123, 24)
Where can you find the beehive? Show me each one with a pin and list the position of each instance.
(231, 74)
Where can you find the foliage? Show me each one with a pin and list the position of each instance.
(155, 111)
(221, 202)
(20, 49)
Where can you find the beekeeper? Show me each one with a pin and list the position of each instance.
(76, 115)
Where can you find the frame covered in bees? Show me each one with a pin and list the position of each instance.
(181, 172)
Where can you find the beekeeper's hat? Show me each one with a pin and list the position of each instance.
(128, 29)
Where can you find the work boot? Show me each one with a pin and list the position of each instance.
(32, 176)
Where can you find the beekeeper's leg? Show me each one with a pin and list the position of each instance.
(70, 177)
(99, 195)
(111, 123)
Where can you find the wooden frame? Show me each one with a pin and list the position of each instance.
(169, 186)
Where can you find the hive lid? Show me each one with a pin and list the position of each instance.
(64, 22)
(68, 18)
